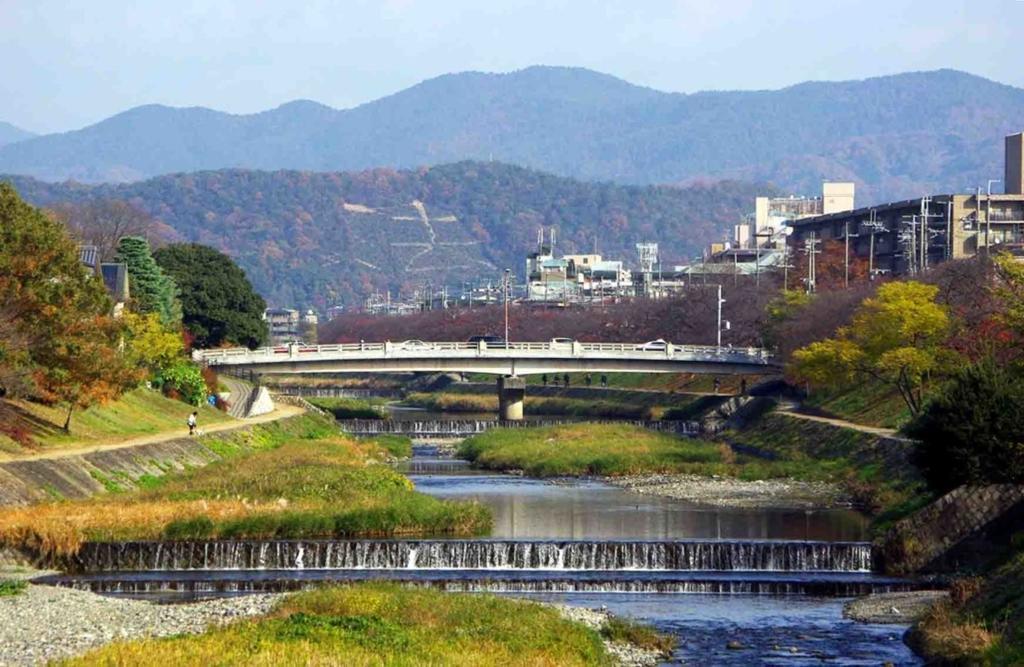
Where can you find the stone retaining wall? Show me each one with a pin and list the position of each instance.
(963, 529)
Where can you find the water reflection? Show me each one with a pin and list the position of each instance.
(531, 508)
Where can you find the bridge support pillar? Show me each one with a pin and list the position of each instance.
(511, 392)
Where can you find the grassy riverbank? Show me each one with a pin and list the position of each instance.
(351, 408)
(982, 624)
(619, 450)
(291, 481)
(876, 472)
(31, 426)
(376, 624)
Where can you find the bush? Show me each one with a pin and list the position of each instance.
(184, 380)
(973, 431)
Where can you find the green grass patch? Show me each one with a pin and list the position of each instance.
(12, 587)
(138, 413)
(379, 624)
(283, 479)
(351, 408)
(875, 471)
(630, 632)
(399, 446)
(588, 449)
(869, 403)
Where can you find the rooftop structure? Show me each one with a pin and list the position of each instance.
(908, 236)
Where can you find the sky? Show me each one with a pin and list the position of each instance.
(69, 64)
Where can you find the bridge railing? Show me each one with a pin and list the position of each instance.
(409, 349)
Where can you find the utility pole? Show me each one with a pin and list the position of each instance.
(846, 256)
(925, 201)
(988, 212)
(811, 245)
(720, 302)
(507, 278)
(875, 226)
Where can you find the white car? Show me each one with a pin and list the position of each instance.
(658, 345)
(414, 345)
(562, 342)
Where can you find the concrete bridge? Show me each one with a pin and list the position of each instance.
(511, 361)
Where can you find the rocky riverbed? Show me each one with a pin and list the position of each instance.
(626, 654)
(732, 492)
(46, 623)
(900, 608)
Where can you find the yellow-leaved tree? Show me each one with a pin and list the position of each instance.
(896, 337)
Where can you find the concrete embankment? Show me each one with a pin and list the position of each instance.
(77, 476)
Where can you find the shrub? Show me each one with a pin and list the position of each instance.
(183, 379)
(973, 431)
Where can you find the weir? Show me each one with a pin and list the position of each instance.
(454, 428)
(569, 555)
(201, 583)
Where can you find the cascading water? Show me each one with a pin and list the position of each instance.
(454, 428)
(683, 555)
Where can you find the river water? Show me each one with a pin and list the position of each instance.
(773, 629)
(772, 580)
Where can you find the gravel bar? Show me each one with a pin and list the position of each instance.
(731, 492)
(900, 608)
(47, 623)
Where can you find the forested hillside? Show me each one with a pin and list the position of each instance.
(314, 239)
(11, 133)
(895, 136)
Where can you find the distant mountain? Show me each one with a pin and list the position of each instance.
(896, 136)
(314, 239)
(10, 133)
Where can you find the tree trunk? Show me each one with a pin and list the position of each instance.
(67, 421)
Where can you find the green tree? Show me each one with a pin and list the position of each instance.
(973, 431)
(151, 345)
(152, 290)
(61, 309)
(896, 337)
(219, 305)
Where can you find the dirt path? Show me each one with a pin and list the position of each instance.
(873, 430)
(280, 412)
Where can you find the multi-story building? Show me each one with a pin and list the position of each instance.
(907, 236)
(773, 214)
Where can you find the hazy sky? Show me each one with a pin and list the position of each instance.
(73, 63)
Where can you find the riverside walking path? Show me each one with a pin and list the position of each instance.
(281, 411)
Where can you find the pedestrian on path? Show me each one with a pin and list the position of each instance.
(193, 420)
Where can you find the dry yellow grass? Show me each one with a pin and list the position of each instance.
(59, 529)
(941, 634)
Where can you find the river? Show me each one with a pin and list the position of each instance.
(770, 583)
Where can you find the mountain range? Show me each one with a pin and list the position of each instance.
(310, 239)
(895, 136)
(10, 134)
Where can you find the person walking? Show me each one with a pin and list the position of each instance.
(544, 379)
(193, 421)
(604, 380)
(566, 378)
(588, 379)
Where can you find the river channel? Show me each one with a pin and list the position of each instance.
(736, 587)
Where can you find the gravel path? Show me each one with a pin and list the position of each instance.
(901, 608)
(46, 623)
(731, 492)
